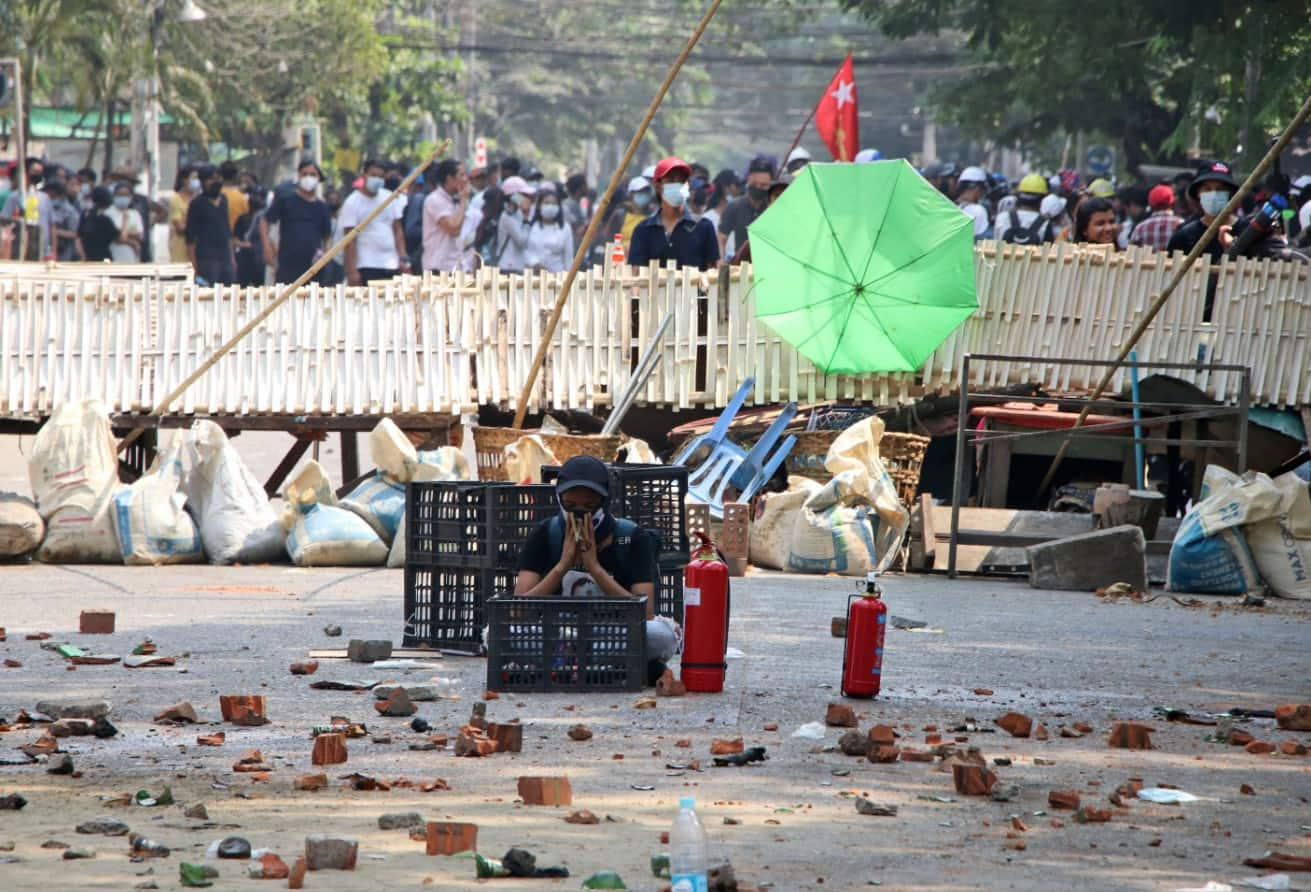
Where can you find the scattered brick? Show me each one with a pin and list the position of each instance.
(1130, 736)
(243, 709)
(552, 791)
(983, 692)
(770, 726)
(1017, 824)
(1260, 747)
(1238, 737)
(668, 686)
(882, 735)
(508, 738)
(96, 622)
(972, 780)
(837, 627)
(1293, 717)
(839, 715)
(329, 749)
(1015, 724)
(271, 867)
(582, 816)
(178, 713)
(1040, 732)
(451, 838)
(309, 667)
(1246, 790)
(474, 745)
(914, 755)
(311, 782)
(1067, 799)
(1089, 815)
(1292, 748)
(491, 695)
(683, 743)
(296, 880)
(884, 754)
(397, 704)
(215, 739)
(580, 732)
(323, 852)
(722, 747)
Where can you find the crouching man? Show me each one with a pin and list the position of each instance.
(584, 551)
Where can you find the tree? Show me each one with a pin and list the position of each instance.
(1140, 72)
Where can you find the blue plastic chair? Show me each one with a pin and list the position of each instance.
(728, 464)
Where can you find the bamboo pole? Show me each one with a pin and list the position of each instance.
(162, 406)
(585, 242)
(1235, 201)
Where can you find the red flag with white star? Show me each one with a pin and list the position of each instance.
(835, 116)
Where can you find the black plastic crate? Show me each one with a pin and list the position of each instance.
(651, 496)
(444, 606)
(472, 525)
(669, 591)
(566, 644)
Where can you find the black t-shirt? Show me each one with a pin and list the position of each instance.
(539, 557)
(737, 216)
(1189, 234)
(208, 230)
(303, 227)
(97, 233)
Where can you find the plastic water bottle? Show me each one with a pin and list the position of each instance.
(688, 851)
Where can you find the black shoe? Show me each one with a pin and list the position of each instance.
(654, 669)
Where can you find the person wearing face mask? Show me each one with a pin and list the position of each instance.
(378, 252)
(31, 210)
(1211, 190)
(671, 233)
(185, 188)
(444, 211)
(641, 195)
(64, 220)
(584, 551)
(550, 239)
(97, 232)
(131, 227)
(512, 228)
(742, 212)
(208, 233)
(304, 224)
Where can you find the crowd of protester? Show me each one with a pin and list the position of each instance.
(232, 229)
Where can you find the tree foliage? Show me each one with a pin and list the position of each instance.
(1143, 73)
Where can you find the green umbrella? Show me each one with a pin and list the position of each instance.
(863, 267)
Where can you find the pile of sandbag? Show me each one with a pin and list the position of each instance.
(368, 526)
(851, 525)
(1245, 533)
(74, 474)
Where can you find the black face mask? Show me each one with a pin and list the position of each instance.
(392, 182)
(213, 190)
(757, 194)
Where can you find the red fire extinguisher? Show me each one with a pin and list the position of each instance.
(705, 619)
(862, 657)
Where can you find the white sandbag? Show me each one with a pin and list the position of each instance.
(151, 520)
(771, 528)
(380, 502)
(236, 522)
(1281, 546)
(21, 526)
(328, 536)
(635, 451)
(854, 524)
(524, 459)
(391, 451)
(74, 474)
(446, 463)
(309, 483)
(1210, 553)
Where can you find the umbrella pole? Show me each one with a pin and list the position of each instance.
(584, 243)
(162, 406)
(1235, 202)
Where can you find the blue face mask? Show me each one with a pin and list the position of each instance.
(1213, 202)
(641, 199)
(122, 202)
(674, 194)
(372, 184)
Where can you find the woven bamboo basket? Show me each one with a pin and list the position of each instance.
(489, 446)
(902, 454)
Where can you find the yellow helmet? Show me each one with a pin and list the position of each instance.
(1034, 184)
(1101, 188)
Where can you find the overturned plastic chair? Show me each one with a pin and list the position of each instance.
(728, 464)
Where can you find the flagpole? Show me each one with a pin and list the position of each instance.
(796, 141)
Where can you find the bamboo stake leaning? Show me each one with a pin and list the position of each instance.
(1235, 201)
(162, 406)
(584, 244)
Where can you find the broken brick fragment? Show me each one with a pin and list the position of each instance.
(451, 838)
(308, 667)
(1040, 732)
(983, 692)
(329, 749)
(311, 782)
(551, 791)
(271, 867)
(1089, 815)
(1130, 736)
(1017, 824)
(580, 732)
(1238, 737)
(582, 816)
(839, 715)
(1260, 747)
(491, 695)
(507, 738)
(1083, 727)
(1016, 724)
(474, 747)
(884, 754)
(1246, 790)
(1293, 717)
(397, 704)
(1067, 799)
(972, 780)
(723, 747)
(96, 622)
(243, 709)
(296, 880)
(882, 735)
(668, 686)
(914, 755)
(1292, 748)
(215, 739)
(178, 713)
